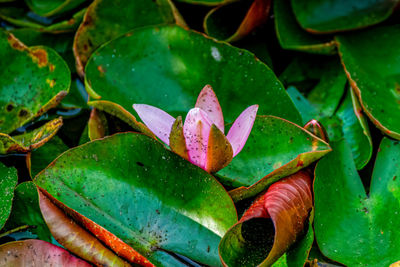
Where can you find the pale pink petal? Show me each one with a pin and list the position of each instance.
(208, 101)
(196, 130)
(157, 120)
(241, 129)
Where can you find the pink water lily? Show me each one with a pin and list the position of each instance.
(201, 138)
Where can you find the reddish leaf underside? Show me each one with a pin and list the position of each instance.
(286, 204)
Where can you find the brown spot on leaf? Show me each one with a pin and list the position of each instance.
(23, 113)
(51, 82)
(39, 56)
(51, 67)
(101, 69)
(300, 163)
(9, 107)
(15, 43)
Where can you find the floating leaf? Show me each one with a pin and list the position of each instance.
(37, 253)
(8, 181)
(234, 21)
(74, 238)
(33, 80)
(177, 63)
(276, 148)
(360, 219)
(322, 16)
(97, 125)
(47, 8)
(31, 140)
(105, 20)
(373, 67)
(291, 36)
(149, 197)
(286, 205)
(26, 211)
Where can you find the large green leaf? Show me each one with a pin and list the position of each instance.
(105, 20)
(26, 211)
(148, 196)
(291, 36)
(351, 226)
(8, 181)
(33, 80)
(341, 15)
(176, 64)
(372, 65)
(275, 148)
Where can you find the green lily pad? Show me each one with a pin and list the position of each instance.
(31, 140)
(61, 43)
(275, 148)
(105, 20)
(148, 196)
(8, 181)
(47, 8)
(33, 80)
(291, 36)
(373, 67)
(322, 16)
(360, 219)
(176, 64)
(26, 211)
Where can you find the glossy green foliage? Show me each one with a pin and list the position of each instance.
(374, 73)
(275, 148)
(105, 20)
(32, 81)
(8, 181)
(364, 230)
(149, 197)
(48, 8)
(291, 36)
(177, 63)
(26, 211)
(341, 15)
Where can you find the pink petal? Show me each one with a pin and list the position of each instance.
(208, 102)
(196, 130)
(241, 129)
(157, 120)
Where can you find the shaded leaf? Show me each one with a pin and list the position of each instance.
(26, 211)
(234, 21)
(291, 36)
(324, 16)
(360, 219)
(105, 20)
(374, 74)
(149, 197)
(177, 63)
(286, 204)
(37, 253)
(48, 8)
(276, 148)
(97, 125)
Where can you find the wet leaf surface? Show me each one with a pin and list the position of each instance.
(374, 74)
(8, 181)
(159, 204)
(34, 80)
(178, 63)
(275, 148)
(362, 219)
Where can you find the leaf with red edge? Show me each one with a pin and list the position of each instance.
(75, 238)
(285, 208)
(37, 253)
